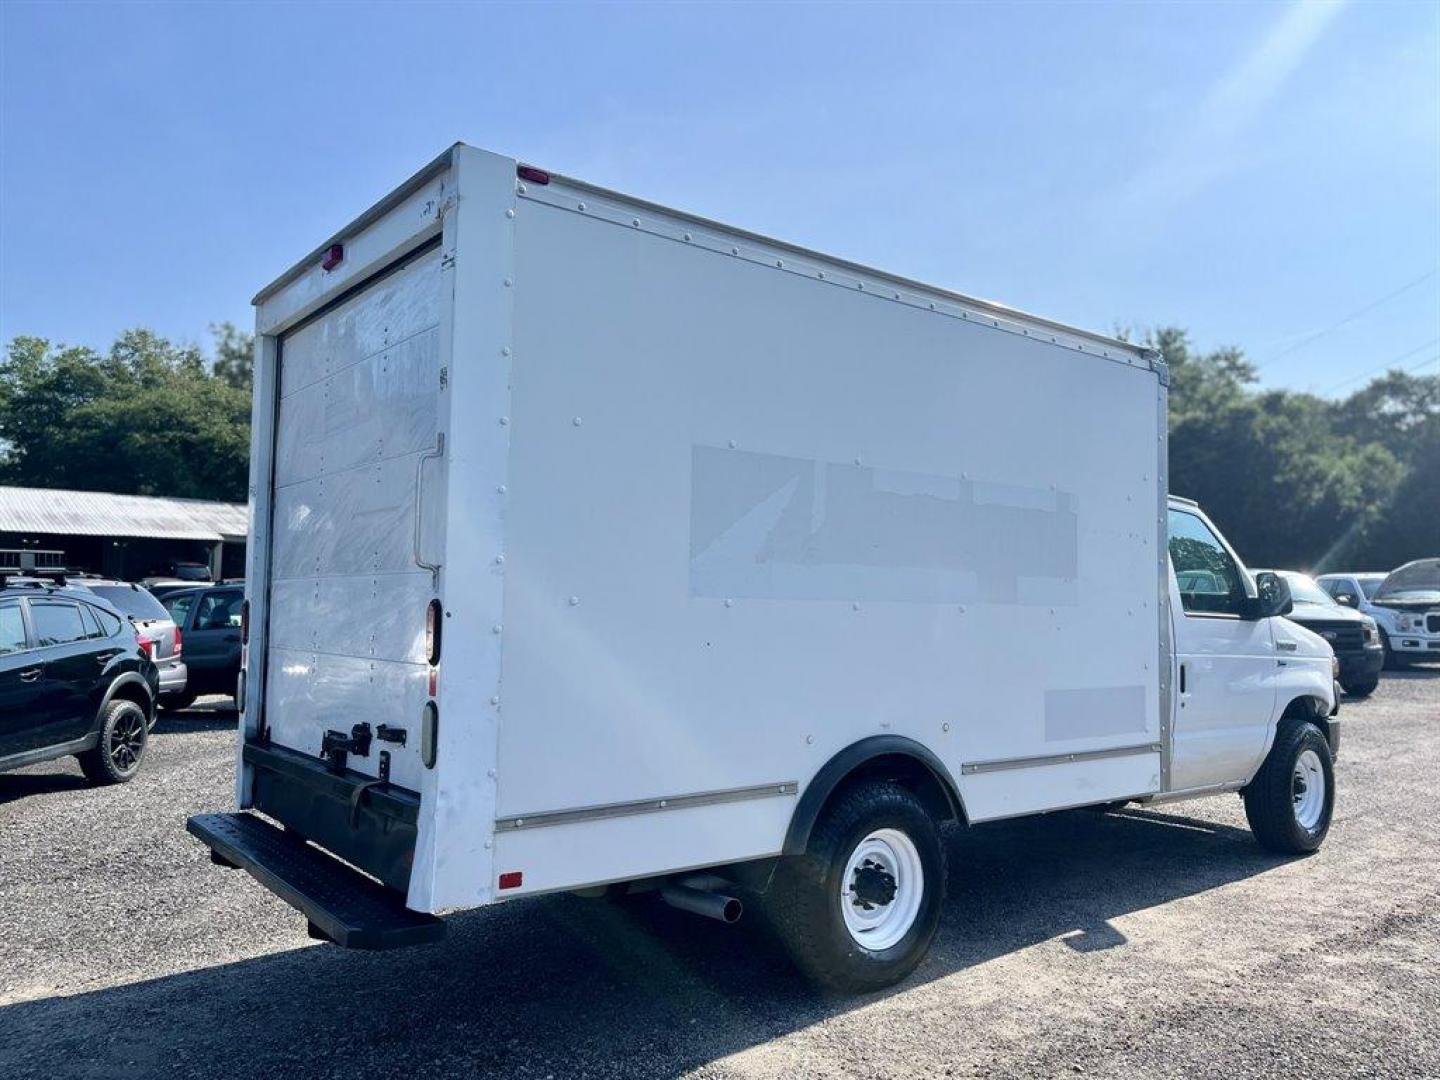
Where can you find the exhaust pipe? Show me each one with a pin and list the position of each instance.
(712, 905)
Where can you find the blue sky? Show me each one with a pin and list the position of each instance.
(1268, 175)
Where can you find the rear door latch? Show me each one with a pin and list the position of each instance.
(337, 745)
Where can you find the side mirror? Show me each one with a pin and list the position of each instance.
(1272, 597)
(1348, 599)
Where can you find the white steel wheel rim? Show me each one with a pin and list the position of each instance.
(1307, 790)
(885, 864)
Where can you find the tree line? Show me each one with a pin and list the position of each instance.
(1295, 480)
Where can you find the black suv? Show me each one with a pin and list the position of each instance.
(74, 679)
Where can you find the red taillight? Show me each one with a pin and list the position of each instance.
(512, 879)
(179, 643)
(333, 258)
(534, 175)
(434, 681)
(433, 618)
(147, 645)
(244, 623)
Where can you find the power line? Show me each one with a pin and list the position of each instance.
(1352, 316)
(1387, 366)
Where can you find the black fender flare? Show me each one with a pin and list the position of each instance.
(939, 792)
(127, 678)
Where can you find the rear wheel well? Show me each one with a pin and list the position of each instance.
(129, 691)
(910, 773)
(889, 758)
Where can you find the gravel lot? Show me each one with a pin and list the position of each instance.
(1127, 944)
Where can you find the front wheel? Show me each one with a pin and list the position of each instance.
(1291, 799)
(859, 908)
(1393, 660)
(1360, 687)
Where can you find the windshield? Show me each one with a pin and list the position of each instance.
(131, 600)
(1414, 581)
(1303, 589)
(1370, 585)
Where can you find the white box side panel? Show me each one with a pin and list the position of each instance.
(755, 517)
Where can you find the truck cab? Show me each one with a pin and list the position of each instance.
(1241, 668)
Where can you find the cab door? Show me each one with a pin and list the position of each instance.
(21, 675)
(1226, 678)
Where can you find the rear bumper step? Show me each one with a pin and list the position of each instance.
(341, 903)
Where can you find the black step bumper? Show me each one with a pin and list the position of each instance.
(341, 903)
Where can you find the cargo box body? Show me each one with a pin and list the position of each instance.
(702, 510)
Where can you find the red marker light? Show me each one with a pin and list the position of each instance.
(512, 879)
(531, 173)
(333, 258)
(434, 680)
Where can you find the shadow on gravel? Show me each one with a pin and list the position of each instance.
(193, 720)
(565, 987)
(22, 785)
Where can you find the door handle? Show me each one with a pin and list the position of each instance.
(1182, 678)
(31, 675)
(427, 455)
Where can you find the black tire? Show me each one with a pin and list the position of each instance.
(1274, 797)
(123, 736)
(1362, 687)
(804, 902)
(1393, 661)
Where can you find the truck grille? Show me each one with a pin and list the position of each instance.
(1342, 636)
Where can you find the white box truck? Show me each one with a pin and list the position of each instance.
(596, 545)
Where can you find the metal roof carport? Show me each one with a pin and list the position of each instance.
(136, 526)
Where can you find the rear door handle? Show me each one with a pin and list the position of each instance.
(31, 675)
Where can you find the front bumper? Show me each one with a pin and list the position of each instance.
(1361, 663)
(1416, 646)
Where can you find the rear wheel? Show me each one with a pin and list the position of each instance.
(123, 735)
(1290, 802)
(859, 908)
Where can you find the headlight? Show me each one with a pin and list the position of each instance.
(1334, 666)
(1368, 633)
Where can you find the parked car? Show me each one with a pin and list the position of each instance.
(210, 620)
(158, 633)
(1405, 604)
(74, 679)
(1354, 637)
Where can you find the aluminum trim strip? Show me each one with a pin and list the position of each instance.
(1001, 764)
(645, 806)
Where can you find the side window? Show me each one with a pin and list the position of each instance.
(12, 629)
(218, 611)
(179, 608)
(1209, 581)
(87, 616)
(56, 623)
(109, 624)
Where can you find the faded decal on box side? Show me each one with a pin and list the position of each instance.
(772, 526)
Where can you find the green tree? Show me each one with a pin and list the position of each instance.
(148, 417)
(234, 355)
(1291, 481)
